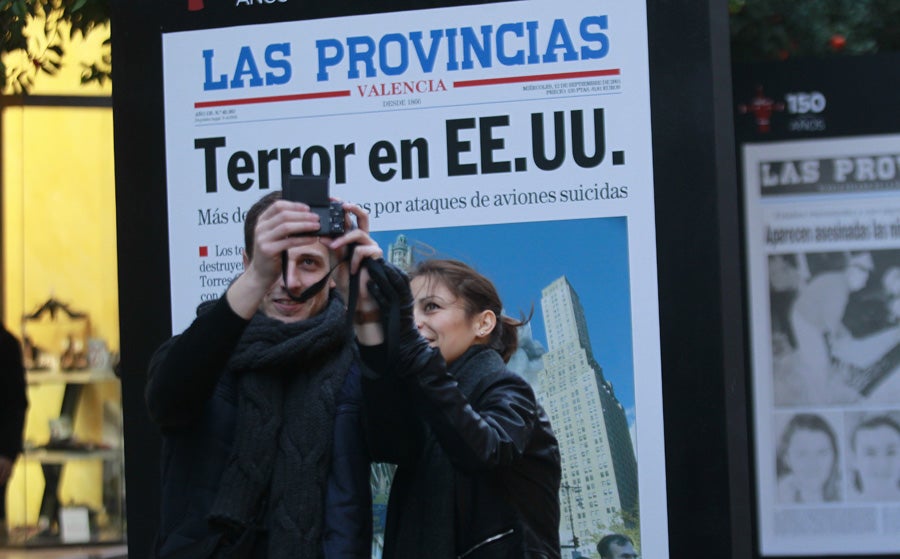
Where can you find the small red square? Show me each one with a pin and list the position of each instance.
(204, 252)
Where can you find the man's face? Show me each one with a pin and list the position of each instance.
(306, 264)
(878, 458)
(625, 551)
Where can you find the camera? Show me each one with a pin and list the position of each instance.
(312, 190)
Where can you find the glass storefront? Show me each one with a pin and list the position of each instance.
(60, 299)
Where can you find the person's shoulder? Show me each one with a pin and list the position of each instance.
(505, 379)
(834, 278)
(6, 335)
(8, 342)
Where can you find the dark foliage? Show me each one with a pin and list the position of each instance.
(40, 47)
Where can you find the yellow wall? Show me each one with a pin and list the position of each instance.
(59, 239)
(59, 213)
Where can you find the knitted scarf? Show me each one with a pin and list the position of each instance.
(288, 376)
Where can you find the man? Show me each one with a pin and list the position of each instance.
(875, 459)
(258, 402)
(13, 404)
(616, 546)
(816, 319)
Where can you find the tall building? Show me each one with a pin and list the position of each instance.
(599, 467)
(399, 253)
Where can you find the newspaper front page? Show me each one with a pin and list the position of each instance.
(823, 250)
(515, 136)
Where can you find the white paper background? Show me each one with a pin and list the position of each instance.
(820, 528)
(364, 120)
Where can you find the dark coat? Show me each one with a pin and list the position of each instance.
(504, 456)
(13, 397)
(197, 444)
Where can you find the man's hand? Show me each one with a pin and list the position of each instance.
(275, 233)
(366, 247)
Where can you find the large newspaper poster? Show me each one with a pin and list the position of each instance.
(823, 230)
(515, 136)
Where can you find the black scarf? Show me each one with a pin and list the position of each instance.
(288, 377)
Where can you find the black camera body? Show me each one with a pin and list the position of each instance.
(312, 190)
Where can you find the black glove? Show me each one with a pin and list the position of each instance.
(407, 351)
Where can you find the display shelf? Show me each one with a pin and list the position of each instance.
(34, 537)
(45, 456)
(65, 450)
(79, 376)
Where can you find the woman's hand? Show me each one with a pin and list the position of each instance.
(408, 352)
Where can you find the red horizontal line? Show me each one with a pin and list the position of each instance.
(273, 99)
(537, 78)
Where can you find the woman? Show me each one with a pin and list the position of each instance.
(807, 464)
(875, 446)
(478, 464)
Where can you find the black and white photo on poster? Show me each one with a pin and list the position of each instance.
(836, 458)
(835, 327)
(873, 455)
(823, 265)
(807, 460)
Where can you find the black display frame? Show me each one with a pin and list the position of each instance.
(849, 82)
(698, 243)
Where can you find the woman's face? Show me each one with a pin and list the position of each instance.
(441, 318)
(810, 456)
(877, 457)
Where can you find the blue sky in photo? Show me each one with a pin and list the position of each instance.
(523, 258)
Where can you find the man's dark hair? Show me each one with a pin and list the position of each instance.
(874, 423)
(604, 544)
(253, 216)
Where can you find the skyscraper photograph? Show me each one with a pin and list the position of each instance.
(576, 351)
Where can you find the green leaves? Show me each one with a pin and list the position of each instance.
(781, 29)
(31, 29)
